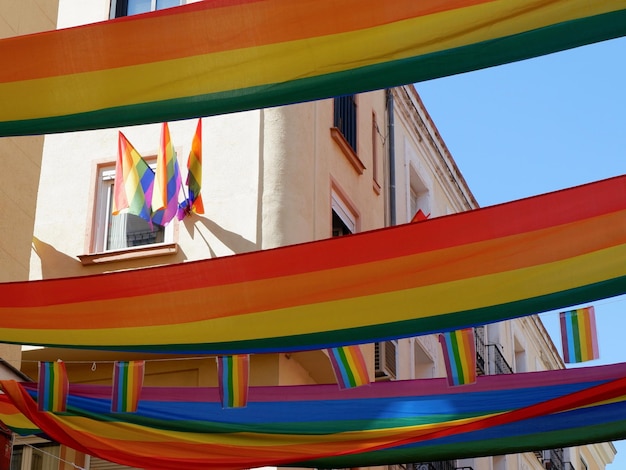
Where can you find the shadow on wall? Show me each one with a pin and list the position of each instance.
(232, 240)
(53, 262)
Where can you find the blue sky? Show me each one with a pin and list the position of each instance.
(536, 126)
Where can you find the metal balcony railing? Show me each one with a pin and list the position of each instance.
(345, 118)
(442, 465)
(497, 362)
(481, 350)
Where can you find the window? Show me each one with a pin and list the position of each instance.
(40, 456)
(134, 7)
(418, 194)
(118, 232)
(344, 218)
(345, 118)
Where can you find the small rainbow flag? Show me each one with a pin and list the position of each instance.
(459, 352)
(52, 387)
(349, 366)
(194, 203)
(579, 335)
(134, 180)
(166, 181)
(233, 374)
(127, 385)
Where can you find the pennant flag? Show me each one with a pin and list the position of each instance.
(134, 180)
(53, 387)
(233, 373)
(349, 366)
(166, 181)
(579, 335)
(419, 216)
(194, 203)
(459, 352)
(127, 385)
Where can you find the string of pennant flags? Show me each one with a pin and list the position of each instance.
(151, 194)
(578, 330)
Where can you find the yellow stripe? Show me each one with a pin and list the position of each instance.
(390, 307)
(122, 431)
(284, 62)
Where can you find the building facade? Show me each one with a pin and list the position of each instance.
(271, 177)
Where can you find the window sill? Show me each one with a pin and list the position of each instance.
(347, 150)
(147, 251)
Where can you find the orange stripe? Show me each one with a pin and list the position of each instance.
(458, 263)
(596, 201)
(201, 28)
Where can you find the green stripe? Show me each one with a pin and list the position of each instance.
(470, 449)
(402, 329)
(576, 333)
(499, 51)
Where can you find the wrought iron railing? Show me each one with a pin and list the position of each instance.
(481, 350)
(442, 465)
(553, 460)
(345, 118)
(497, 362)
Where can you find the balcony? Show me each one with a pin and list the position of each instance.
(553, 460)
(443, 465)
(496, 361)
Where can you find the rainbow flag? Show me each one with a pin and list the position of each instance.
(167, 181)
(459, 353)
(233, 375)
(320, 426)
(499, 262)
(272, 52)
(349, 366)
(134, 181)
(194, 203)
(579, 335)
(127, 385)
(52, 388)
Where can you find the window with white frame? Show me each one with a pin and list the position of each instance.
(134, 7)
(122, 231)
(344, 219)
(37, 456)
(419, 195)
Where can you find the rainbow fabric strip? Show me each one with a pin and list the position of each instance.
(324, 427)
(579, 336)
(134, 181)
(167, 181)
(127, 385)
(272, 52)
(459, 353)
(441, 274)
(233, 373)
(52, 387)
(349, 366)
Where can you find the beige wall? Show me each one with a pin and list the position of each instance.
(21, 159)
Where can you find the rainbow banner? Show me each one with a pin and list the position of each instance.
(52, 387)
(579, 336)
(459, 353)
(127, 385)
(349, 366)
(274, 52)
(167, 181)
(441, 274)
(193, 202)
(233, 374)
(321, 426)
(134, 181)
